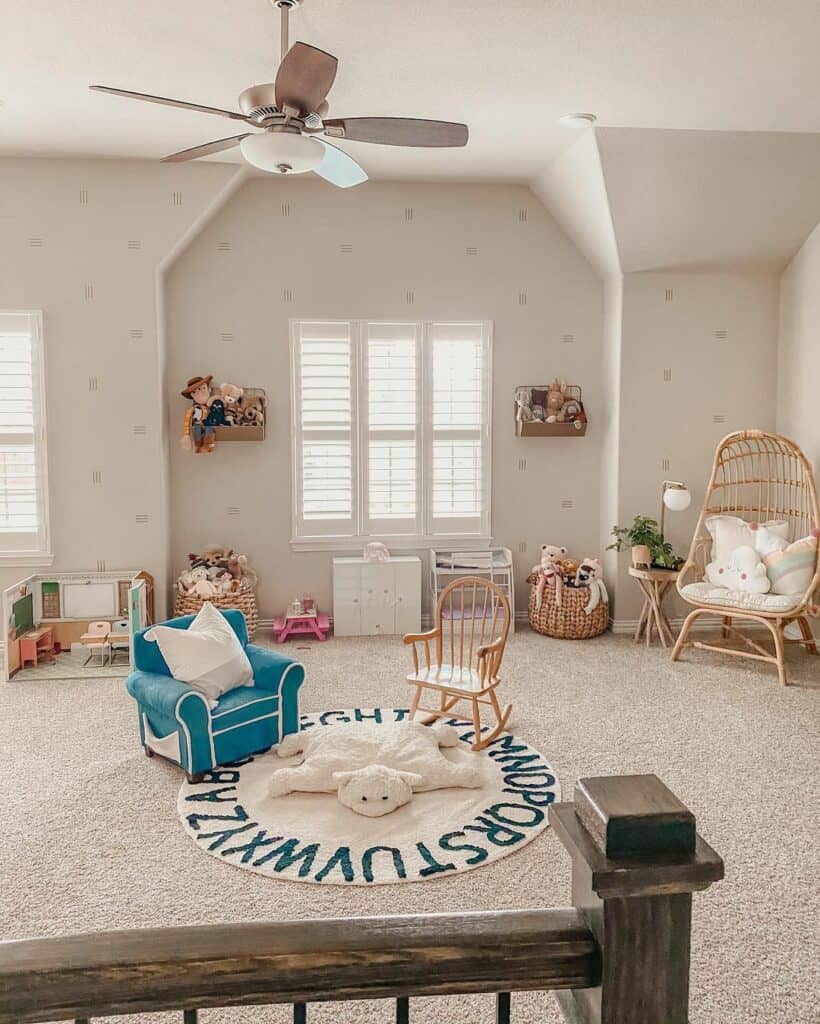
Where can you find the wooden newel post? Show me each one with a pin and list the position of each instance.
(636, 860)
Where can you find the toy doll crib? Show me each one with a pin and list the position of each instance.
(757, 477)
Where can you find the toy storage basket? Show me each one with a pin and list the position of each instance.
(570, 621)
(245, 601)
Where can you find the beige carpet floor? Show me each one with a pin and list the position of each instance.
(91, 838)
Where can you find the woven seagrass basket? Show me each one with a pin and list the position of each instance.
(570, 621)
(245, 601)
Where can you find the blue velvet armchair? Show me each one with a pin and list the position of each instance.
(177, 722)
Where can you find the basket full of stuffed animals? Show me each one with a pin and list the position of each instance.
(224, 578)
(568, 598)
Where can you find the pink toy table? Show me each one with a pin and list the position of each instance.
(301, 625)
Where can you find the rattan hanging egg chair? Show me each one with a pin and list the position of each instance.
(757, 477)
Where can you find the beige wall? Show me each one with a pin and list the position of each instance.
(65, 226)
(732, 377)
(526, 277)
(799, 350)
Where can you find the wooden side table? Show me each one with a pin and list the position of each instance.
(655, 584)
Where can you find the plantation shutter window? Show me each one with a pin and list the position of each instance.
(390, 431)
(323, 400)
(460, 428)
(23, 497)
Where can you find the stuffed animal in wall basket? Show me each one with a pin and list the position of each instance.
(743, 571)
(523, 405)
(539, 404)
(231, 395)
(549, 571)
(197, 431)
(374, 769)
(556, 397)
(253, 411)
(590, 573)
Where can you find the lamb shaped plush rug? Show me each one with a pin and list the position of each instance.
(374, 769)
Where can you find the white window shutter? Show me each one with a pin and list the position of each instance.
(390, 437)
(391, 431)
(23, 475)
(324, 456)
(459, 356)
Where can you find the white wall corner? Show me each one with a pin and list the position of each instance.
(573, 190)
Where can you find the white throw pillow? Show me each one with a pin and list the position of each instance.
(730, 532)
(207, 655)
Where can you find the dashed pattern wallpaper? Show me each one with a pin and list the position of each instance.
(82, 241)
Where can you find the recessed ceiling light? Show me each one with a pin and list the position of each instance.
(577, 119)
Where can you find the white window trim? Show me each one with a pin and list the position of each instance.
(396, 542)
(41, 556)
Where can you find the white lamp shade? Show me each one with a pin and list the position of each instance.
(677, 499)
(282, 152)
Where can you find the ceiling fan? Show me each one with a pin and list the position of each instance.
(293, 113)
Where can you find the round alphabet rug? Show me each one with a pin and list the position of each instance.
(311, 837)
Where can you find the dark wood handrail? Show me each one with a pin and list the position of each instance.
(620, 955)
(297, 961)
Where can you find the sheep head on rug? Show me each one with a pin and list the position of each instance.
(374, 769)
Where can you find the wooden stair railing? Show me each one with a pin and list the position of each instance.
(620, 955)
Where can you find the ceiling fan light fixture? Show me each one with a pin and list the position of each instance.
(282, 152)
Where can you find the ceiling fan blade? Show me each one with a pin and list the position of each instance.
(209, 147)
(340, 169)
(304, 78)
(398, 131)
(167, 102)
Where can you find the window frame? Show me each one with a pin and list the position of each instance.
(41, 555)
(426, 535)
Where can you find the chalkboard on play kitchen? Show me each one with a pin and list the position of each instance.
(23, 612)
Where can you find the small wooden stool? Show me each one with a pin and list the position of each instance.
(655, 584)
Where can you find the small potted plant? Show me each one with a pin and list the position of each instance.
(646, 542)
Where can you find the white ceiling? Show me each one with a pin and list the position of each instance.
(697, 200)
(508, 69)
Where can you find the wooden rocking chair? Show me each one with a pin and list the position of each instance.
(757, 477)
(472, 623)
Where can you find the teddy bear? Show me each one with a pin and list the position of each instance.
(549, 570)
(569, 567)
(539, 404)
(231, 395)
(742, 571)
(590, 573)
(556, 397)
(201, 586)
(374, 769)
(253, 414)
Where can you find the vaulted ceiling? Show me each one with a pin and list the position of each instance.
(701, 67)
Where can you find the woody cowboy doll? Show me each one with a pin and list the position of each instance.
(198, 425)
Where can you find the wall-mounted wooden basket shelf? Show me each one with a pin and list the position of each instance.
(537, 428)
(245, 431)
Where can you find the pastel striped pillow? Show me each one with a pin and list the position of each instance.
(792, 569)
